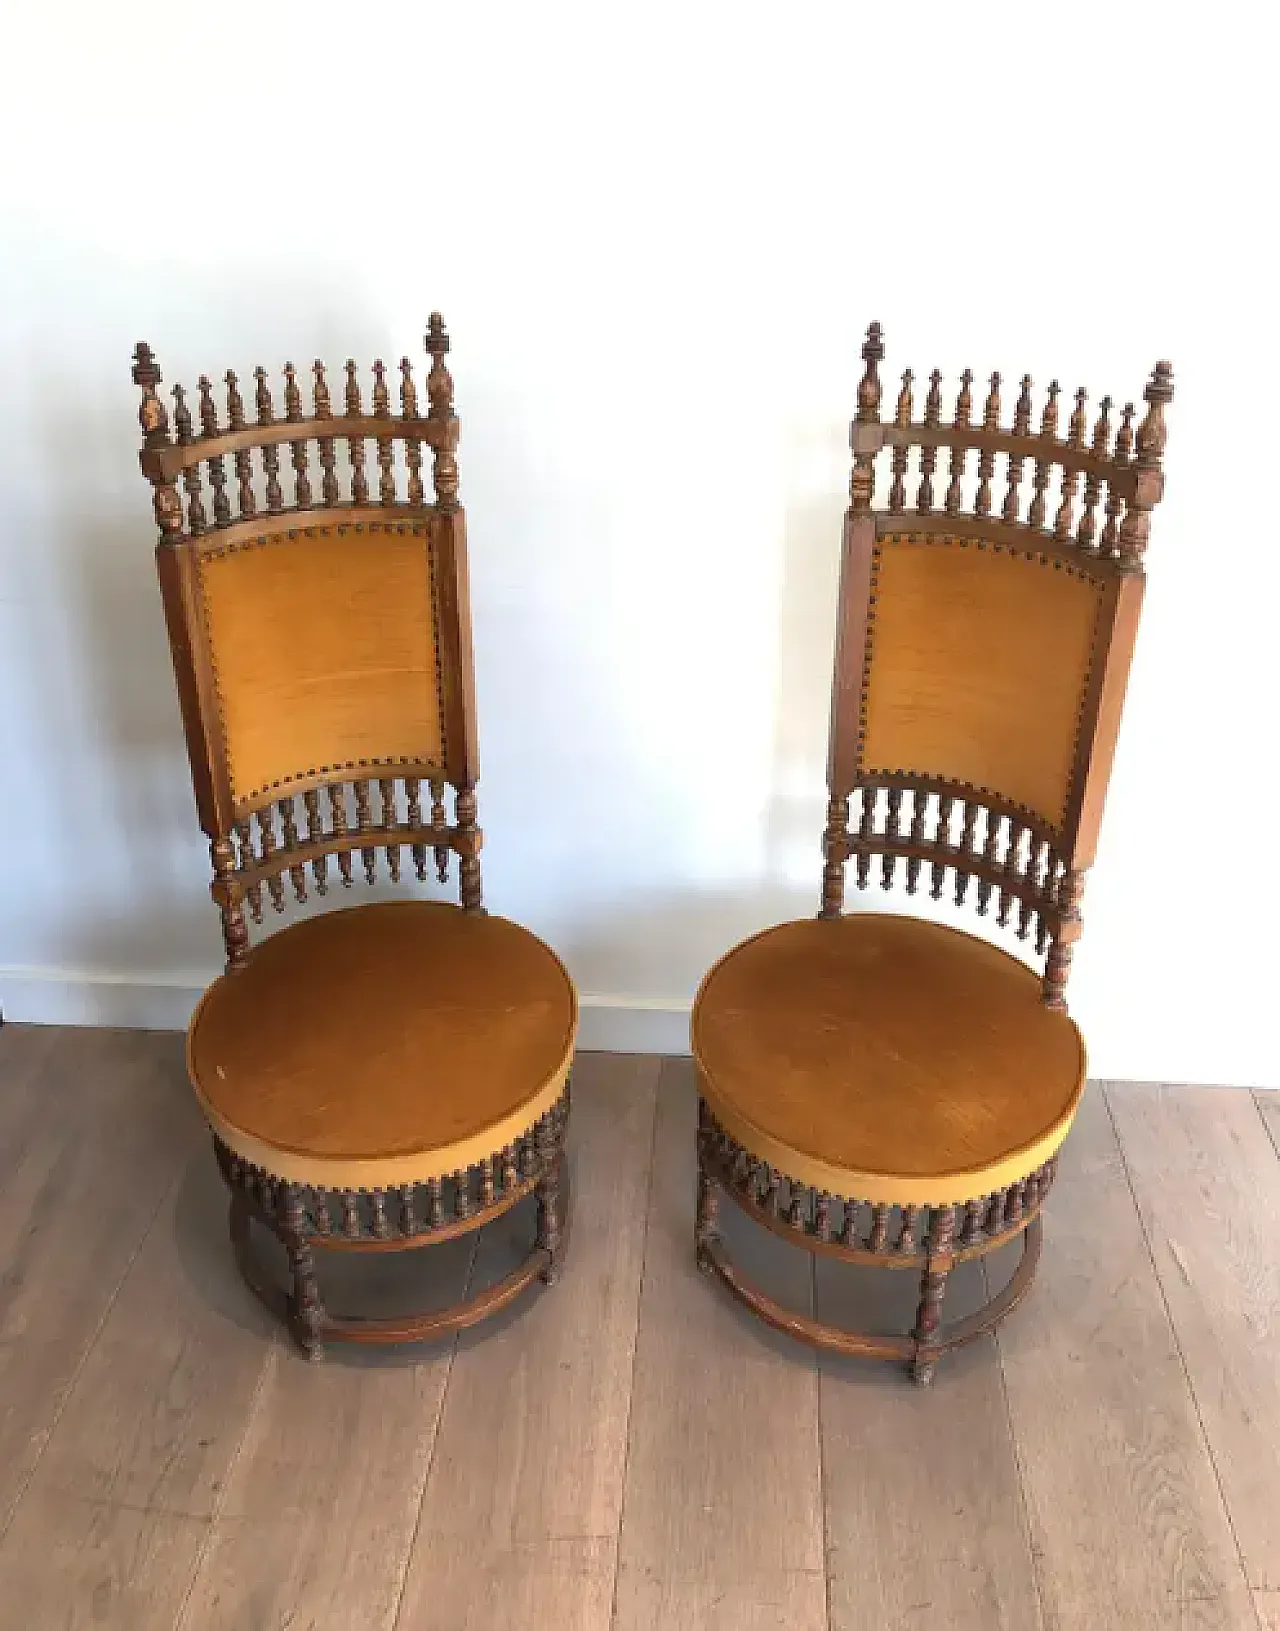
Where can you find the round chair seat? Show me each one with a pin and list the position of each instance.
(886, 1059)
(388, 1044)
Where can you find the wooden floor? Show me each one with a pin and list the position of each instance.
(629, 1450)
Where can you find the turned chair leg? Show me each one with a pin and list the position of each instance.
(933, 1286)
(306, 1311)
(706, 1231)
(551, 1234)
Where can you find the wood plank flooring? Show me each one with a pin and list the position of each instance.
(630, 1450)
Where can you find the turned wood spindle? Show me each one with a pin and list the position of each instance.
(464, 806)
(413, 444)
(197, 520)
(387, 791)
(227, 893)
(270, 452)
(933, 1288)
(315, 832)
(893, 835)
(408, 1211)
(350, 1214)
(866, 832)
(381, 1227)
(486, 1182)
(798, 1211)
(364, 825)
(386, 444)
(462, 1194)
(1044, 464)
(990, 858)
(1121, 458)
(929, 455)
(942, 840)
(1058, 965)
(355, 444)
(879, 1237)
(1036, 851)
(320, 1211)
(154, 420)
(849, 1229)
(971, 1230)
(835, 851)
(244, 467)
(862, 476)
(906, 1242)
(1012, 871)
(413, 798)
(444, 467)
(440, 852)
(965, 850)
(1064, 520)
(902, 419)
(510, 1175)
(435, 1203)
(1149, 476)
(297, 449)
(338, 821)
(247, 858)
(267, 834)
(964, 416)
(772, 1191)
(919, 811)
(993, 1223)
(1087, 532)
(822, 1217)
(986, 457)
(289, 826)
(1014, 1206)
(1021, 427)
(217, 466)
(329, 489)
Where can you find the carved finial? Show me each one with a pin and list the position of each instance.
(902, 415)
(181, 416)
(444, 468)
(1022, 413)
(991, 408)
(408, 390)
(439, 380)
(208, 408)
(1124, 436)
(1078, 424)
(964, 402)
(235, 403)
(381, 399)
(151, 414)
(324, 405)
(292, 395)
(1049, 418)
(262, 398)
(352, 393)
(1102, 430)
(933, 402)
(869, 386)
(1149, 477)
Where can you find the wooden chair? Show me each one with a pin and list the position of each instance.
(880, 1088)
(393, 1075)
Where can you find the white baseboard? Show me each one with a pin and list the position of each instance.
(37, 996)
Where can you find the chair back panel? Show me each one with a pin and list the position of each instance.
(978, 665)
(325, 652)
(321, 647)
(987, 615)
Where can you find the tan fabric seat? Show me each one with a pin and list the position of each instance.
(886, 1058)
(383, 1045)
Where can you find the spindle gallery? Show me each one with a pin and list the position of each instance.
(394, 1074)
(882, 1088)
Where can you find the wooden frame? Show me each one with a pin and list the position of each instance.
(967, 834)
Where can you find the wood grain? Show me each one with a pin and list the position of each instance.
(1267, 1604)
(722, 1524)
(888, 1449)
(1268, 1103)
(1207, 1182)
(1127, 1522)
(107, 1128)
(520, 1514)
(320, 1507)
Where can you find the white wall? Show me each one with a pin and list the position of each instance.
(657, 233)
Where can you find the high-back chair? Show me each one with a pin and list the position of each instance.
(882, 1088)
(394, 1074)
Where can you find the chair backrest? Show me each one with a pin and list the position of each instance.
(982, 652)
(322, 648)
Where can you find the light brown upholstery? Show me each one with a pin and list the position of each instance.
(886, 1058)
(979, 660)
(383, 1045)
(325, 652)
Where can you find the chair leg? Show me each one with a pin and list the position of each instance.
(933, 1286)
(306, 1311)
(706, 1231)
(551, 1234)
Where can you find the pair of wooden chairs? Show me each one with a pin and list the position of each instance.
(877, 1087)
